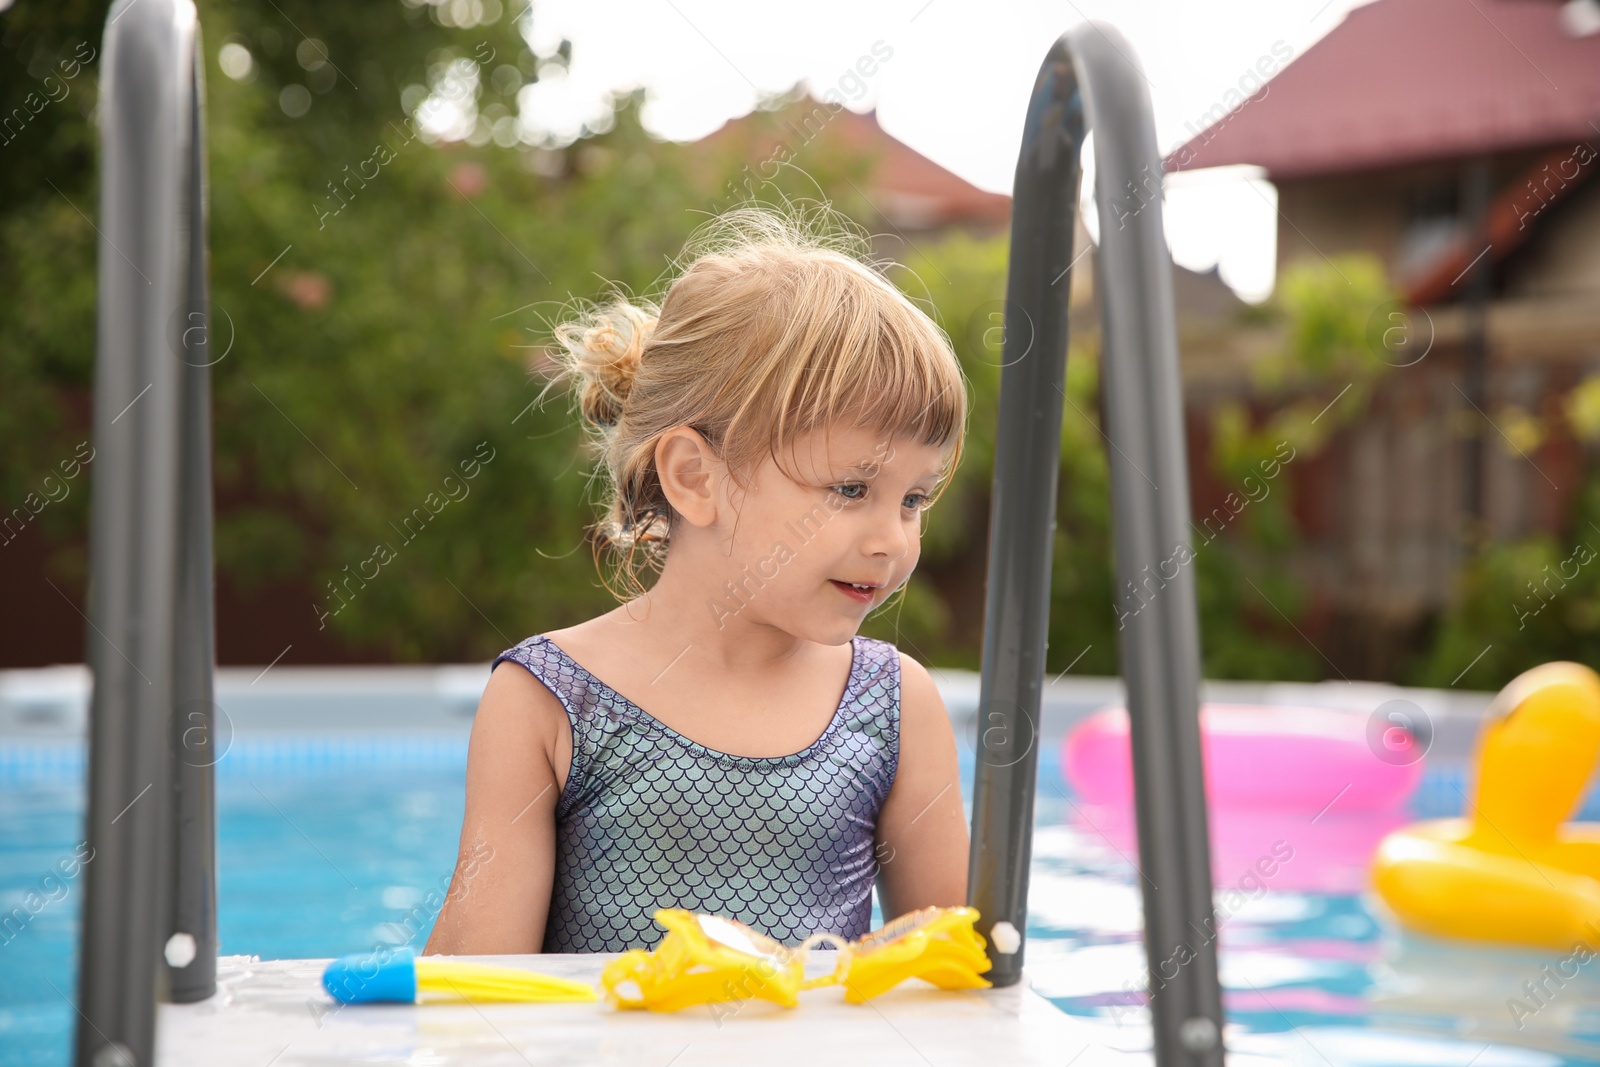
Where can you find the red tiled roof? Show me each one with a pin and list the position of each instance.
(915, 184)
(908, 188)
(1401, 81)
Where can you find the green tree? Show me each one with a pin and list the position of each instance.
(1532, 600)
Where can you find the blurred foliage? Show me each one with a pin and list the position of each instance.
(1528, 601)
(1322, 378)
(1326, 309)
(48, 67)
(1521, 603)
(1582, 410)
(1517, 603)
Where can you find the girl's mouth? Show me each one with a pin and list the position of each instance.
(860, 594)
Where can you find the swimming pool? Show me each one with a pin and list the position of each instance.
(331, 838)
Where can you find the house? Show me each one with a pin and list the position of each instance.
(1458, 142)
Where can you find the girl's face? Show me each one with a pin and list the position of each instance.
(847, 513)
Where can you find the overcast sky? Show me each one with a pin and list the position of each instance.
(955, 86)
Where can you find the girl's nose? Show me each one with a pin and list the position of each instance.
(890, 535)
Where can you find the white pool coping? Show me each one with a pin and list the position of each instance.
(276, 1012)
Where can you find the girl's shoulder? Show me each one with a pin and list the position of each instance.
(918, 694)
(595, 642)
(548, 665)
(539, 659)
(547, 644)
(523, 652)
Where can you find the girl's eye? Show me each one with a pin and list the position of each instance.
(860, 490)
(921, 501)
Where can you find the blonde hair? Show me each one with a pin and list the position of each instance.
(771, 330)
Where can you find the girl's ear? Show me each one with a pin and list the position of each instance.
(689, 470)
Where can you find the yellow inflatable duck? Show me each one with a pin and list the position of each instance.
(1511, 869)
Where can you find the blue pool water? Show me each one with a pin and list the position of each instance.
(327, 854)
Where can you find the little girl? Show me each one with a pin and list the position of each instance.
(725, 742)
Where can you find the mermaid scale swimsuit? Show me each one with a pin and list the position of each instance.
(649, 819)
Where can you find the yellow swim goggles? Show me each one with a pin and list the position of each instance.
(706, 959)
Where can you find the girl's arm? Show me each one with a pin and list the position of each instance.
(499, 896)
(922, 829)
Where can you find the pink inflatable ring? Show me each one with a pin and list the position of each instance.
(1288, 758)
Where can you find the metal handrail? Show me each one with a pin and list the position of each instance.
(151, 822)
(1089, 80)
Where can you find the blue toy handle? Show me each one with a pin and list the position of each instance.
(385, 977)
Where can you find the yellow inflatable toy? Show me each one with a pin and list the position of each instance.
(1511, 869)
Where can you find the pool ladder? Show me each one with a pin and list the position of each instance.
(150, 892)
(149, 918)
(1090, 81)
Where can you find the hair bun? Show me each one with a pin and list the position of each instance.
(605, 353)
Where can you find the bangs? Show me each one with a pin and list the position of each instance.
(854, 351)
(906, 388)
